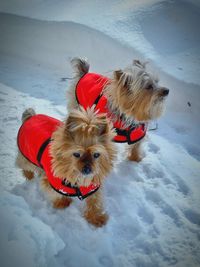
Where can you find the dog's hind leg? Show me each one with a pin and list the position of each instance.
(27, 167)
(135, 152)
(28, 174)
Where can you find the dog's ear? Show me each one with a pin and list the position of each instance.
(139, 64)
(103, 125)
(80, 120)
(75, 120)
(103, 128)
(118, 74)
(70, 125)
(124, 79)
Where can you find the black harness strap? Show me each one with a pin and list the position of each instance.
(121, 132)
(76, 188)
(97, 99)
(127, 133)
(41, 150)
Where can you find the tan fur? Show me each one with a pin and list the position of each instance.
(128, 92)
(28, 174)
(134, 153)
(24, 164)
(61, 203)
(86, 133)
(134, 92)
(94, 212)
(83, 132)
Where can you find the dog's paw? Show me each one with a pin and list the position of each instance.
(28, 174)
(97, 220)
(61, 203)
(135, 157)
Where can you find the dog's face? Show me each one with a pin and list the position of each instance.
(137, 93)
(82, 150)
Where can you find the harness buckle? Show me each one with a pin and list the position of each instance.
(80, 197)
(78, 192)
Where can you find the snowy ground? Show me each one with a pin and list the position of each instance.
(173, 43)
(154, 206)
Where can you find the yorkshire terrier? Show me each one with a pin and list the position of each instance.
(131, 98)
(73, 157)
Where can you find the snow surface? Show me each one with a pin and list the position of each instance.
(25, 240)
(154, 206)
(158, 29)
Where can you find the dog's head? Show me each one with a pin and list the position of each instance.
(137, 93)
(82, 150)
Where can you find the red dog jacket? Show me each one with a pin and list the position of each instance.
(89, 92)
(34, 140)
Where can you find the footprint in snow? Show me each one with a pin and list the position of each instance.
(145, 214)
(128, 229)
(181, 129)
(181, 185)
(152, 172)
(154, 148)
(155, 198)
(192, 216)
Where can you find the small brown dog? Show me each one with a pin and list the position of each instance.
(131, 98)
(73, 157)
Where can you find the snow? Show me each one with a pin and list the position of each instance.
(20, 230)
(154, 206)
(133, 23)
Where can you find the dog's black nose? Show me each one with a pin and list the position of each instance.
(165, 92)
(87, 169)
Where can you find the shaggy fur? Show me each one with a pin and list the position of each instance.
(133, 92)
(85, 139)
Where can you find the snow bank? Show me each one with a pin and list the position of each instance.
(163, 31)
(32, 52)
(53, 43)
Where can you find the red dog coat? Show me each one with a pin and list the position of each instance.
(34, 138)
(89, 93)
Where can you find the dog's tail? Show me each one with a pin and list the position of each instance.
(29, 112)
(80, 66)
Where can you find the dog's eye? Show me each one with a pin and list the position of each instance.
(76, 155)
(96, 155)
(149, 87)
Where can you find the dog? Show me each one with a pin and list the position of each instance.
(73, 157)
(131, 98)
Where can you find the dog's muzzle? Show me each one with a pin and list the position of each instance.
(86, 169)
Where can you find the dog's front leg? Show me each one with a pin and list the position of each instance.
(135, 152)
(94, 212)
(58, 201)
